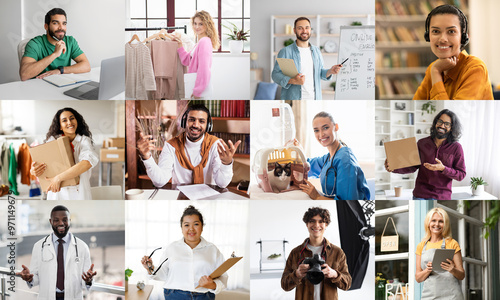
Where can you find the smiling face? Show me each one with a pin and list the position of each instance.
(196, 125)
(436, 224)
(68, 123)
(325, 131)
(316, 227)
(445, 35)
(200, 29)
(56, 27)
(60, 222)
(192, 228)
(302, 30)
(443, 126)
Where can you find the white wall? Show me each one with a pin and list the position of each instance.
(98, 26)
(231, 76)
(262, 10)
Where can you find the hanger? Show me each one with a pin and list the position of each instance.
(162, 34)
(134, 37)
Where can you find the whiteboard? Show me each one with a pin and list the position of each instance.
(356, 79)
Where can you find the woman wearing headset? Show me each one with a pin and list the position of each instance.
(199, 60)
(439, 285)
(339, 172)
(455, 75)
(68, 122)
(187, 263)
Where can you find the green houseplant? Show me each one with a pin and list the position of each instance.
(128, 273)
(236, 37)
(428, 107)
(477, 184)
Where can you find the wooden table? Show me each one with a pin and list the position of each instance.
(134, 293)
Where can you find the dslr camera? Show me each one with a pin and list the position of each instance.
(314, 274)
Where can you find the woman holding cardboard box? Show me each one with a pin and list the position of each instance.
(442, 282)
(68, 122)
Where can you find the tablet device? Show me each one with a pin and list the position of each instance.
(440, 256)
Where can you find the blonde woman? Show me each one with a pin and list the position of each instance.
(439, 285)
(199, 60)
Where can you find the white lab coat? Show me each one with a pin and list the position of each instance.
(45, 270)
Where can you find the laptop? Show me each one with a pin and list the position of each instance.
(112, 82)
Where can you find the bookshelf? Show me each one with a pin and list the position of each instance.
(230, 126)
(393, 123)
(402, 54)
(325, 28)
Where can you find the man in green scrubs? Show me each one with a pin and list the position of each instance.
(51, 53)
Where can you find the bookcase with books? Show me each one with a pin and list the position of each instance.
(230, 118)
(394, 120)
(402, 54)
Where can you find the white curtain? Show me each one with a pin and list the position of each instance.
(480, 140)
(153, 224)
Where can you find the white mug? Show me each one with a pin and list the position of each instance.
(134, 194)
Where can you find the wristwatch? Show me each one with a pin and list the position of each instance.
(61, 69)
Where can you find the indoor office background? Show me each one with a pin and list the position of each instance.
(153, 224)
(99, 224)
(96, 25)
(29, 121)
(230, 71)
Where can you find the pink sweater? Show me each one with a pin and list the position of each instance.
(200, 63)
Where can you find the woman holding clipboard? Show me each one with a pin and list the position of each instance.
(186, 263)
(439, 285)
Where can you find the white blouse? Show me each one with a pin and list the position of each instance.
(185, 266)
(84, 150)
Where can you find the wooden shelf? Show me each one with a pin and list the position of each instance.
(401, 71)
(229, 118)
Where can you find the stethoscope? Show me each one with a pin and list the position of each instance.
(332, 194)
(45, 259)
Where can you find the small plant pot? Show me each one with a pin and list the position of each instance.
(479, 191)
(235, 47)
(126, 286)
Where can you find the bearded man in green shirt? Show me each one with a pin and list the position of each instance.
(51, 53)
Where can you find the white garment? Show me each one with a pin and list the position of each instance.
(185, 266)
(43, 266)
(307, 69)
(317, 287)
(214, 172)
(84, 150)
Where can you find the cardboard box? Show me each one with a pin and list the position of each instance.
(402, 153)
(114, 143)
(112, 154)
(58, 156)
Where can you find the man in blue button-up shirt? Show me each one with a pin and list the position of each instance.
(306, 85)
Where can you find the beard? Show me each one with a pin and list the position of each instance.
(300, 38)
(53, 34)
(441, 136)
(59, 234)
(195, 137)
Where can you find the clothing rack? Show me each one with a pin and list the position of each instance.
(157, 28)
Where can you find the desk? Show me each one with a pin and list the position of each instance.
(458, 193)
(39, 89)
(170, 192)
(134, 293)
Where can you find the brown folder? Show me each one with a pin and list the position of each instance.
(402, 153)
(58, 156)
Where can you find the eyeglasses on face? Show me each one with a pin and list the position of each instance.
(441, 122)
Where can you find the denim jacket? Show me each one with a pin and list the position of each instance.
(294, 91)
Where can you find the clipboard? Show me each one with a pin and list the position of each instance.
(224, 267)
(440, 256)
(287, 66)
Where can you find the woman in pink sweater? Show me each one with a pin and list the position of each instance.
(199, 60)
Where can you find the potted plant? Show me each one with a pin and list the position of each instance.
(288, 42)
(333, 85)
(428, 107)
(477, 184)
(128, 273)
(236, 38)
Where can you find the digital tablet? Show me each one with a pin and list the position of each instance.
(441, 255)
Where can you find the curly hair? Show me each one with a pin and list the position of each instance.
(191, 211)
(81, 129)
(446, 228)
(456, 127)
(314, 211)
(212, 32)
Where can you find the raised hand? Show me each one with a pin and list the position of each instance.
(435, 167)
(226, 151)
(25, 274)
(145, 144)
(87, 277)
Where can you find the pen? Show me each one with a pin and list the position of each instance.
(54, 37)
(344, 61)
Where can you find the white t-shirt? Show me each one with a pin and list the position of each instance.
(307, 69)
(317, 287)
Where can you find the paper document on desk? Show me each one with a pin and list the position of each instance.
(197, 191)
(226, 196)
(67, 79)
(287, 66)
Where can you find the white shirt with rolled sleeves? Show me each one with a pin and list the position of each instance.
(185, 266)
(214, 172)
(45, 270)
(84, 150)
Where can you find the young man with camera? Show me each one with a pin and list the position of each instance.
(317, 267)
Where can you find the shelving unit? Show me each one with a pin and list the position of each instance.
(320, 34)
(136, 173)
(402, 54)
(393, 124)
